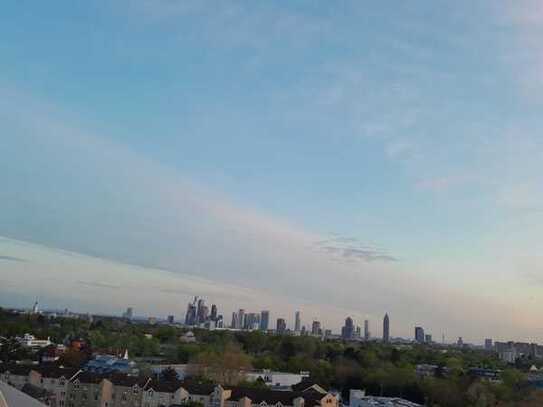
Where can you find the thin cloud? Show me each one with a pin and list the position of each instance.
(349, 248)
(12, 258)
(98, 284)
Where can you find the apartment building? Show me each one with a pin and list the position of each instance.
(75, 388)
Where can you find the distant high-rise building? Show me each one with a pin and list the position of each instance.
(234, 324)
(358, 332)
(428, 338)
(297, 322)
(347, 332)
(327, 333)
(366, 330)
(192, 312)
(171, 319)
(316, 328)
(219, 323)
(419, 334)
(281, 326)
(129, 313)
(488, 344)
(241, 318)
(213, 315)
(201, 311)
(36, 308)
(252, 321)
(264, 320)
(386, 329)
(460, 342)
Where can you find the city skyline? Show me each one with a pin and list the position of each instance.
(252, 321)
(340, 161)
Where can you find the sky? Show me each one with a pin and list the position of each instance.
(341, 158)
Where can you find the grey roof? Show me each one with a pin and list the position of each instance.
(11, 397)
(387, 402)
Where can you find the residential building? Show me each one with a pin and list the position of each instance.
(366, 330)
(30, 341)
(64, 388)
(277, 380)
(488, 344)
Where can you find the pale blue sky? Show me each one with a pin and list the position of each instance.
(228, 140)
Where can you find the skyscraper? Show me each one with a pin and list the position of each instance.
(264, 320)
(316, 328)
(419, 334)
(347, 332)
(281, 326)
(213, 315)
(386, 329)
(297, 322)
(192, 312)
(201, 311)
(366, 330)
(234, 324)
(252, 321)
(241, 318)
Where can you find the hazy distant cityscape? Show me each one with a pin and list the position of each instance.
(199, 315)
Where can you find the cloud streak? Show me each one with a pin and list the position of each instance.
(349, 248)
(12, 258)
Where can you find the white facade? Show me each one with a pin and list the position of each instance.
(277, 379)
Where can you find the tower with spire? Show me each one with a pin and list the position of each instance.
(386, 329)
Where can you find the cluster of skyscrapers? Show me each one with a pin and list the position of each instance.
(349, 331)
(199, 314)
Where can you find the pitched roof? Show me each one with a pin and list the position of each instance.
(125, 380)
(273, 397)
(171, 386)
(163, 386)
(308, 385)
